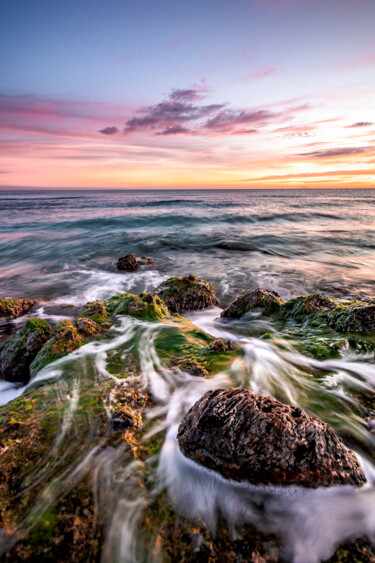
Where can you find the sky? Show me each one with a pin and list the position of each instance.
(204, 94)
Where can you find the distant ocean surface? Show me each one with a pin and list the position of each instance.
(62, 246)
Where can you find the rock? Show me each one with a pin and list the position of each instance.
(128, 263)
(18, 352)
(221, 345)
(370, 424)
(65, 339)
(145, 306)
(260, 299)
(89, 327)
(247, 437)
(187, 294)
(357, 317)
(96, 311)
(300, 308)
(195, 369)
(14, 307)
(145, 261)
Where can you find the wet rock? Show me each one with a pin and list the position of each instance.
(89, 327)
(66, 338)
(221, 345)
(300, 308)
(187, 294)
(357, 317)
(96, 311)
(14, 307)
(145, 306)
(18, 352)
(260, 299)
(145, 261)
(128, 263)
(247, 437)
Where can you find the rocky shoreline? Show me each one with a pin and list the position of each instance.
(239, 434)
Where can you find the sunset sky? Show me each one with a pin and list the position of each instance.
(241, 93)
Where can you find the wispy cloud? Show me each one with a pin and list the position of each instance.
(361, 124)
(331, 153)
(262, 73)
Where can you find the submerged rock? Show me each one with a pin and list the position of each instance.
(258, 300)
(221, 345)
(66, 338)
(18, 352)
(247, 437)
(14, 307)
(128, 263)
(145, 306)
(195, 369)
(187, 294)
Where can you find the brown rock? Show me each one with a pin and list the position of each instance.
(128, 263)
(12, 307)
(247, 437)
(187, 294)
(145, 261)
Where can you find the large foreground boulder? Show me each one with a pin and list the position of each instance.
(12, 307)
(260, 299)
(187, 294)
(247, 437)
(18, 352)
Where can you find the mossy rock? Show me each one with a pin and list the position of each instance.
(12, 307)
(66, 339)
(182, 344)
(96, 311)
(145, 306)
(323, 348)
(187, 294)
(353, 317)
(264, 300)
(303, 307)
(18, 352)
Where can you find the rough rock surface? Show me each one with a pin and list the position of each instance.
(128, 263)
(187, 294)
(14, 307)
(17, 353)
(247, 437)
(221, 345)
(260, 299)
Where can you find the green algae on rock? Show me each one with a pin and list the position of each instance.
(18, 352)
(264, 300)
(299, 308)
(145, 306)
(187, 294)
(96, 311)
(12, 307)
(66, 338)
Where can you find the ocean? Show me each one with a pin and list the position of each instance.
(62, 246)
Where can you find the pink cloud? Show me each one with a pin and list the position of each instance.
(258, 74)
